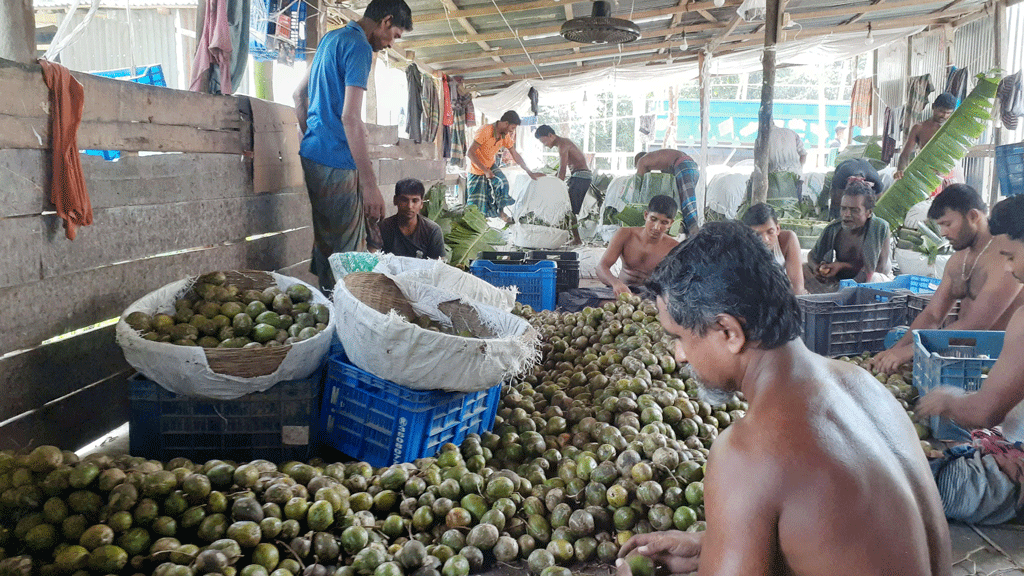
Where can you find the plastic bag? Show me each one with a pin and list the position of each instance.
(185, 370)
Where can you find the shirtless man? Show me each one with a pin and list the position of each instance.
(975, 275)
(921, 133)
(571, 157)
(825, 474)
(641, 249)
(686, 172)
(859, 242)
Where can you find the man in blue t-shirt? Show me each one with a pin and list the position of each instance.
(335, 157)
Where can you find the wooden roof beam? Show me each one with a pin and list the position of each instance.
(446, 40)
(418, 18)
(471, 30)
(564, 45)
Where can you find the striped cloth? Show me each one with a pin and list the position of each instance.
(687, 175)
(490, 195)
(431, 108)
(917, 100)
(862, 102)
(972, 484)
(1011, 100)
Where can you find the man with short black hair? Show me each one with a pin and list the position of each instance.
(981, 482)
(408, 233)
(975, 275)
(640, 248)
(922, 132)
(855, 246)
(569, 157)
(687, 175)
(342, 187)
(486, 185)
(824, 474)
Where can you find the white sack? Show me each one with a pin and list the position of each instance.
(392, 348)
(184, 369)
(449, 278)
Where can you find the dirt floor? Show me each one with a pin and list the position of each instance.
(977, 550)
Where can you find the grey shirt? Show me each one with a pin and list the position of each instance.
(427, 241)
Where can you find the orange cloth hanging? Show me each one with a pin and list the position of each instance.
(67, 183)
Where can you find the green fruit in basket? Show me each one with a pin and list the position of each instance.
(226, 333)
(206, 291)
(321, 312)
(299, 293)
(307, 333)
(282, 304)
(183, 332)
(208, 309)
(268, 317)
(248, 296)
(242, 324)
(183, 303)
(253, 345)
(216, 278)
(300, 307)
(183, 315)
(281, 336)
(255, 308)
(273, 344)
(293, 330)
(139, 321)
(233, 343)
(220, 321)
(152, 336)
(162, 323)
(264, 332)
(230, 309)
(184, 342)
(305, 320)
(286, 321)
(267, 297)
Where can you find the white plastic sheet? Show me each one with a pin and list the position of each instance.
(184, 369)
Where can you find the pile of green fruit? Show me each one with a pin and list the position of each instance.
(214, 314)
(428, 323)
(603, 440)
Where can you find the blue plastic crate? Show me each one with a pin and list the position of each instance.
(953, 358)
(536, 282)
(1010, 167)
(914, 283)
(851, 321)
(382, 423)
(279, 424)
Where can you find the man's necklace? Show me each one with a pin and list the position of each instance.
(963, 269)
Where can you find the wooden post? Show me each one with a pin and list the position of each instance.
(999, 35)
(772, 25)
(17, 31)
(703, 64)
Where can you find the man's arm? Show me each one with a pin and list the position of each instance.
(435, 249)
(611, 256)
(301, 99)
(908, 149)
(884, 265)
(739, 491)
(355, 131)
(794, 267)
(519, 160)
(472, 153)
(1002, 390)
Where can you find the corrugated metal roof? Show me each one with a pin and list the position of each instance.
(472, 38)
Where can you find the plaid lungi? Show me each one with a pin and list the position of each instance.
(339, 224)
(489, 195)
(687, 175)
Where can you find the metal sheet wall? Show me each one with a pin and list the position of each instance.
(892, 85)
(108, 44)
(928, 56)
(1015, 58)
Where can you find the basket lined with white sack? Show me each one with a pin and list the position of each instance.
(384, 334)
(221, 373)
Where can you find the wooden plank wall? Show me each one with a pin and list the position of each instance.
(227, 194)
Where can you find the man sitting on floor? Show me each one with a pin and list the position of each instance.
(407, 233)
(980, 482)
(975, 275)
(641, 248)
(855, 246)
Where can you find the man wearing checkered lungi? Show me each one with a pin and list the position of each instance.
(487, 186)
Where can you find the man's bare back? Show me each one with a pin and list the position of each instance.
(663, 160)
(834, 470)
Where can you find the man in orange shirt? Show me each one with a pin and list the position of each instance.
(487, 186)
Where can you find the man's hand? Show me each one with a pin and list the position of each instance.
(897, 175)
(373, 204)
(489, 174)
(620, 288)
(678, 552)
(938, 402)
(827, 270)
(889, 361)
(535, 175)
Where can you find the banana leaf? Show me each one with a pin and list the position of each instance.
(949, 144)
(469, 236)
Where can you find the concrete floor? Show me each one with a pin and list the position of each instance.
(977, 550)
